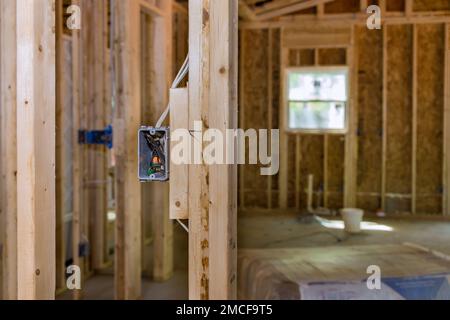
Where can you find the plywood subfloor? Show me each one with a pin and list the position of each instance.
(282, 231)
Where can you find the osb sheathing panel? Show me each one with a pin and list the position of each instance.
(255, 111)
(370, 93)
(292, 165)
(368, 202)
(399, 109)
(395, 5)
(341, 6)
(301, 58)
(312, 162)
(431, 5)
(335, 166)
(332, 57)
(430, 79)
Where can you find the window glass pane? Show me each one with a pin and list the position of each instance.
(328, 86)
(317, 115)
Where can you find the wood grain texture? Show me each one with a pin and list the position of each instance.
(35, 161)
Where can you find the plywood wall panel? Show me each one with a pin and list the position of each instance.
(335, 165)
(342, 6)
(399, 113)
(370, 47)
(255, 112)
(395, 5)
(430, 118)
(312, 155)
(431, 5)
(332, 57)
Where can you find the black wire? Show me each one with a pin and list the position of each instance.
(155, 147)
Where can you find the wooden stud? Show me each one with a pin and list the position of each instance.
(61, 160)
(351, 141)
(270, 106)
(344, 19)
(326, 143)
(242, 112)
(320, 10)
(414, 123)
(162, 67)
(409, 7)
(97, 166)
(213, 189)
(298, 156)
(283, 176)
(363, 5)
(297, 6)
(179, 173)
(447, 123)
(8, 156)
(384, 124)
(76, 153)
(126, 124)
(35, 160)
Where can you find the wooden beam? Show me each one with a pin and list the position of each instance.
(8, 154)
(351, 141)
(447, 122)
(294, 7)
(242, 70)
(179, 173)
(384, 117)
(298, 157)
(414, 123)
(346, 19)
(61, 161)
(213, 66)
(363, 5)
(95, 50)
(245, 12)
(35, 160)
(77, 155)
(284, 161)
(127, 117)
(409, 7)
(162, 69)
(270, 106)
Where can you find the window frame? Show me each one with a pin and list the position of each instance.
(316, 69)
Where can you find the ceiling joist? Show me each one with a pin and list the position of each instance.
(275, 8)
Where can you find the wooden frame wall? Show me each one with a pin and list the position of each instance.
(127, 119)
(212, 207)
(8, 154)
(353, 195)
(35, 162)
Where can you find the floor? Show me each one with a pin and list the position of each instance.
(285, 231)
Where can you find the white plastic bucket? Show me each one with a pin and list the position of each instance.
(352, 219)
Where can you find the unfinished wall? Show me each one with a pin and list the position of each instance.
(430, 106)
(370, 114)
(393, 173)
(254, 108)
(398, 118)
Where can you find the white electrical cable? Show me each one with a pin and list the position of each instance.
(180, 76)
(183, 225)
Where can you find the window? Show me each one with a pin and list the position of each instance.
(317, 99)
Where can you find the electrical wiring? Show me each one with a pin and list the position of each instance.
(180, 76)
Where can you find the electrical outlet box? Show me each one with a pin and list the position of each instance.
(153, 154)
